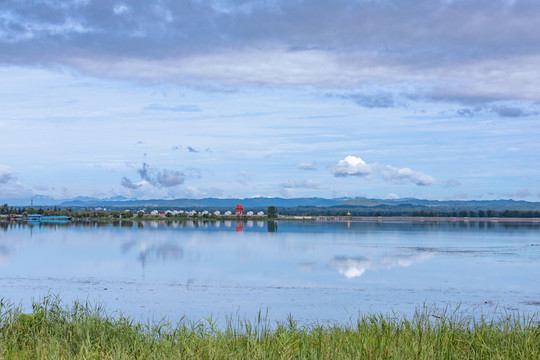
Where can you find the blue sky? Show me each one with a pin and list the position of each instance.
(192, 98)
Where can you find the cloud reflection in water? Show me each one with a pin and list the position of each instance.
(353, 267)
(149, 252)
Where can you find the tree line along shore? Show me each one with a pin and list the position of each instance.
(271, 212)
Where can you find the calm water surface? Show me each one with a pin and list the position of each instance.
(314, 270)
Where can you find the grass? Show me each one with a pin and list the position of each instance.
(85, 331)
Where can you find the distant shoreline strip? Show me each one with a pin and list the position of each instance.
(415, 219)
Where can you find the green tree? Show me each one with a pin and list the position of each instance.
(272, 212)
(127, 214)
(140, 214)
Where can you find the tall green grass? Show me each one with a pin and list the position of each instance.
(84, 331)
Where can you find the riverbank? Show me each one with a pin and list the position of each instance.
(422, 219)
(85, 331)
(426, 219)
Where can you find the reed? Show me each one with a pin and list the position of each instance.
(85, 331)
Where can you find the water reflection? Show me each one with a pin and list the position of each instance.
(352, 267)
(148, 252)
(310, 269)
(5, 253)
(272, 226)
(239, 226)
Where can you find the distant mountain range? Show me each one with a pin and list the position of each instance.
(44, 200)
(261, 202)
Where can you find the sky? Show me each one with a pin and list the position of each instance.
(435, 99)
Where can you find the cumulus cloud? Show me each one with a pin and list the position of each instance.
(169, 178)
(6, 174)
(355, 166)
(352, 166)
(402, 175)
(307, 166)
(127, 183)
(144, 173)
(352, 267)
(155, 177)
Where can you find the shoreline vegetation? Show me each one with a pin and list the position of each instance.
(86, 331)
(426, 219)
(354, 214)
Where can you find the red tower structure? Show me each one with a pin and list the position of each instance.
(239, 210)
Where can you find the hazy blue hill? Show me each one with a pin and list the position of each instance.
(403, 204)
(39, 200)
(442, 205)
(207, 202)
(363, 202)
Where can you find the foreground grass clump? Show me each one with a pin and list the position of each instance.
(83, 331)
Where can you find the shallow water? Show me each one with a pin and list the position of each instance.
(316, 271)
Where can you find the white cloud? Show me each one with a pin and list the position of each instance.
(243, 177)
(399, 176)
(169, 178)
(303, 184)
(307, 166)
(451, 183)
(15, 190)
(120, 9)
(352, 166)
(127, 183)
(355, 166)
(6, 174)
(162, 178)
(195, 193)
